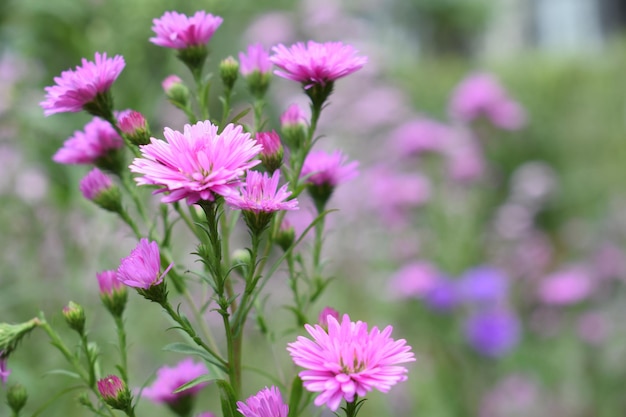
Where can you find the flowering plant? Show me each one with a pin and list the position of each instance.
(217, 173)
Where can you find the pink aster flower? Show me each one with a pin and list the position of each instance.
(420, 136)
(171, 81)
(294, 116)
(197, 163)
(108, 282)
(415, 279)
(141, 269)
(316, 63)
(348, 360)
(169, 379)
(76, 88)
(257, 59)
(111, 387)
(260, 194)
(266, 403)
(331, 169)
(566, 287)
(94, 184)
(322, 319)
(175, 30)
(96, 142)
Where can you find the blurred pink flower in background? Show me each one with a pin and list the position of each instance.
(323, 168)
(176, 30)
(481, 95)
(419, 136)
(593, 327)
(293, 116)
(609, 262)
(4, 370)
(322, 319)
(170, 81)
(94, 183)
(169, 379)
(271, 28)
(349, 360)
(569, 285)
(414, 279)
(514, 395)
(86, 147)
(316, 63)
(266, 403)
(465, 159)
(256, 58)
(76, 88)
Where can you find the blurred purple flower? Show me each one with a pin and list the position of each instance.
(570, 285)
(465, 158)
(515, 395)
(493, 332)
(176, 30)
(256, 59)
(322, 319)
(332, 169)
(293, 116)
(419, 136)
(76, 88)
(483, 284)
(88, 146)
(481, 95)
(169, 379)
(415, 279)
(443, 296)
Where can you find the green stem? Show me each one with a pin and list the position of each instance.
(92, 373)
(199, 319)
(258, 113)
(121, 337)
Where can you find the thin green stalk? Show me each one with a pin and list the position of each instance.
(92, 372)
(234, 363)
(121, 337)
(199, 319)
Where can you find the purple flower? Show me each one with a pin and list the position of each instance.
(415, 279)
(197, 163)
(94, 183)
(74, 89)
(443, 296)
(257, 59)
(420, 136)
(322, 168)
(141, 269)
(316, 63)
(260, 194)
(349, 360)
(169, 379)
(481, 95)
(493, 332)
(4, 370)
(266, 403)
(175, 30)
(96, 142)
(484, 284)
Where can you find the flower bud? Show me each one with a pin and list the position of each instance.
(272, 154)
(98, 187)
(11, 334)
(293, 127)
(323, 317)
(17, 397)
(229, 71)
(135, 127)
(112, 292)
(75, 317)
(285, 236)
(176, 91)
(115, 393)
(256, 67)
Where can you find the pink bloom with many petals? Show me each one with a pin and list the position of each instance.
(197, 163)
(86, 147)
(141, 269)
(75, 88)
(169, 379)
(108, 282)
(348, 360)
(324, 168)
(260, 194)
(178, 31)
(270, 142)
(316, 63)
(257, 59)
(94, 183)
(293, 116)
(110, 387)
(266, 403)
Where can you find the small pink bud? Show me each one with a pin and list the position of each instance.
(170, 81)
(115, 393)
(323, 317)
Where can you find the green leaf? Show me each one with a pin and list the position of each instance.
(63, 372)
(227, 398)
(295, 396)
(239, 115)
(196, 381)
(192, 350)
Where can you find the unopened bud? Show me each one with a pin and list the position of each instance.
(17, 397)
(229, 71)
(293, 127)
(272, 154)
(176, 91)
(115, 393)
(75, 317)
(98, 187)
(285, 236)
(135, 127)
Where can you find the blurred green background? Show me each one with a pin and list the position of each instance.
(572, 87)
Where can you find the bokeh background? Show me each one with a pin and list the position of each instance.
(540, 204)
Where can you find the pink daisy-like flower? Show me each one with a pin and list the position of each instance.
(294, 116)
(141, 269)
(260, 194)
(266, 403)
(178, 31)
(108, 282)
(270, 142)
(348, 360)
(76, 88)
(87, 147)
(169, 379)
(197, 163)
(324, 168)
(257, 59)
(94, 183)
(316, 63)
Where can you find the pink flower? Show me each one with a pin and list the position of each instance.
(565, 287)
(257, 59)
(322, 319)
(94, 183)
(171, 81)
(175, 30)
(270, 142)
(323, 168)
(74, 89)
(260, 194)
(419, 136)
(169, 379)
(87, 147)
(198, 163)
(131, 121)
(266, 403)
(108, 282)
(349, 360)
(293, 116)
(141, 269)
(316, 63)
(4, 370)
(415, 279)
(481, 95)
(111, 387)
